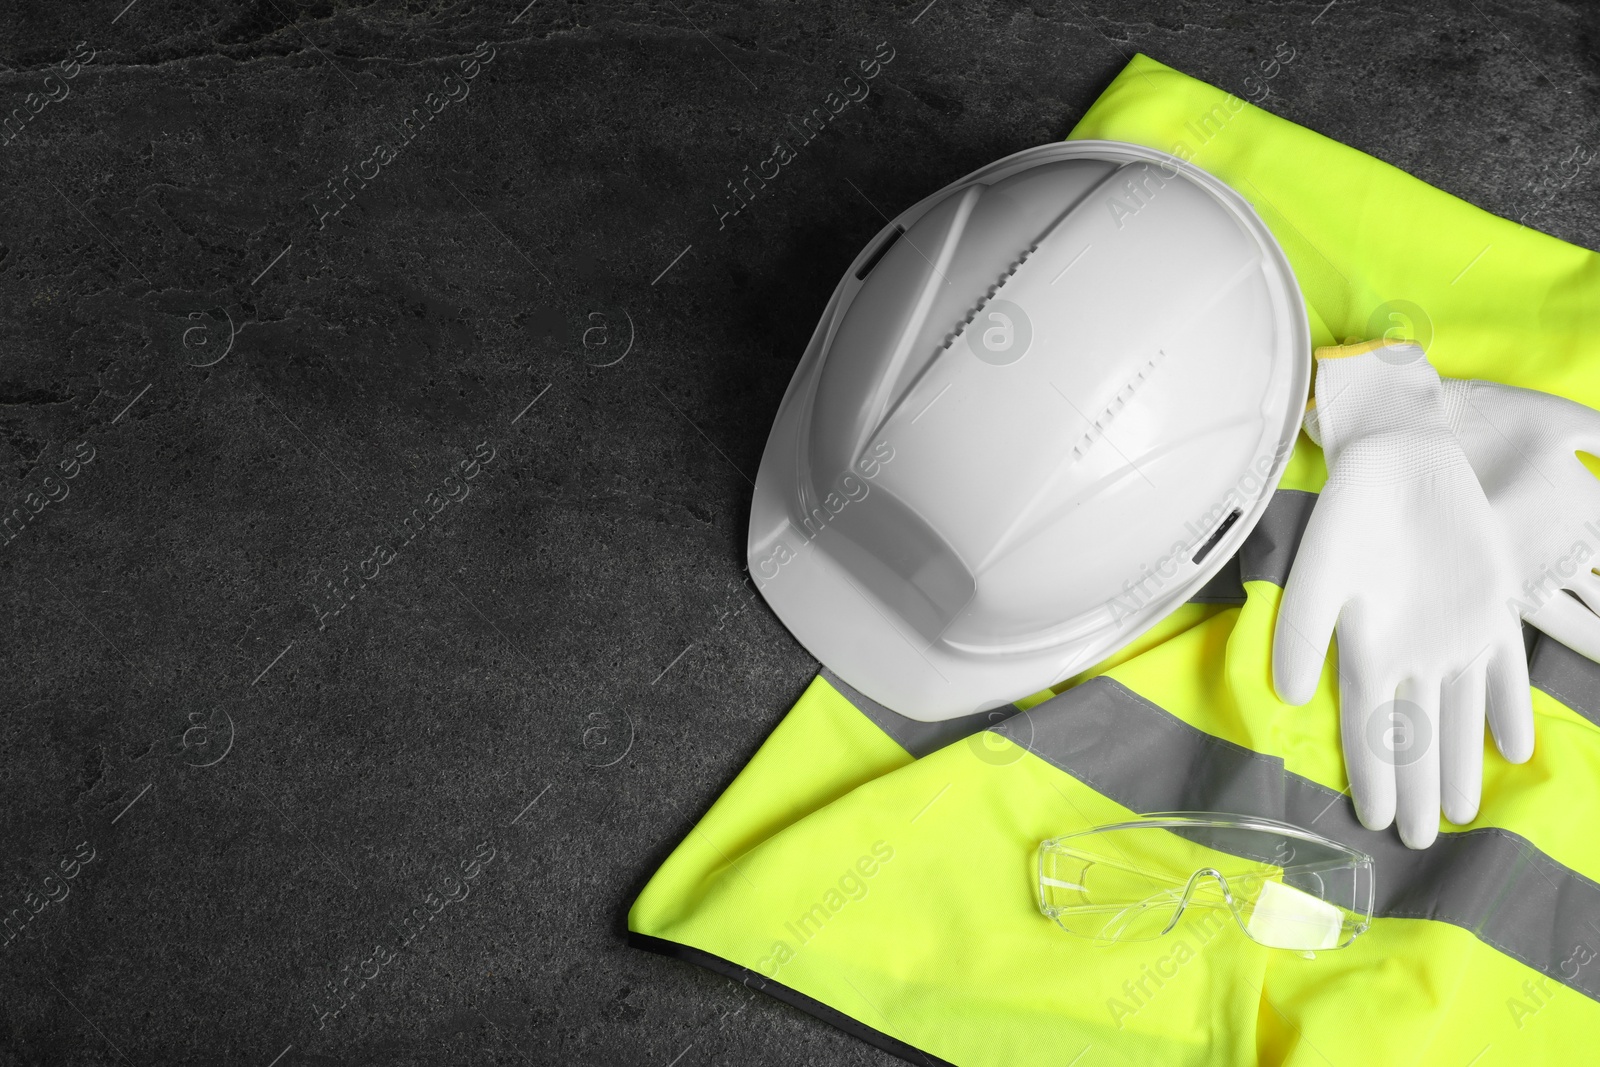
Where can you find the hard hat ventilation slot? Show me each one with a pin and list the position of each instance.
(1211, 542)
(1000, 284)
(883, 250)
(1118, 402)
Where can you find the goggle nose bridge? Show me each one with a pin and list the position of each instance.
(1189, 887)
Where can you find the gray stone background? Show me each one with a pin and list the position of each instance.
(270, 740)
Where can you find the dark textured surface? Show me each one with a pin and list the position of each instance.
(574, 634)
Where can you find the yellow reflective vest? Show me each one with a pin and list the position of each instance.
(878, 872)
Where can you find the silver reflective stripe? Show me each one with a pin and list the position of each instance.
(1224, 586)
(1564, 674)
(1268, 553)
(917, 738)
(1490, 882)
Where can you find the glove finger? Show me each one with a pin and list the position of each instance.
(1306, 618)
(1312, 426)
(1364, 723)
(1461, 716)
(1510, 703)
(1571, 623)
(1414, 749)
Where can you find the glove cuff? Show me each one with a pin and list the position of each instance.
(1375, 387)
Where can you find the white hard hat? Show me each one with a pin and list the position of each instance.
(1041, 410)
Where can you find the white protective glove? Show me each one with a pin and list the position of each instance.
(1404, 554)
(1522, 445)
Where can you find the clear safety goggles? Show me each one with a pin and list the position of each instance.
(1286, 887)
